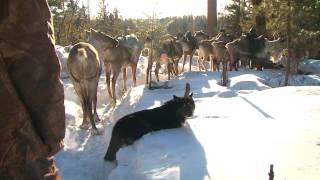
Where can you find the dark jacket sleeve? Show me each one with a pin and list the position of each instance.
(27, 50)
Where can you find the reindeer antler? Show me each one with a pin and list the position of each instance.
(187, 91)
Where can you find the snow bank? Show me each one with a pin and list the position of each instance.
(310, 66)
(63, 53)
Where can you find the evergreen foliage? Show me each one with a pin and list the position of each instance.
(71, 19)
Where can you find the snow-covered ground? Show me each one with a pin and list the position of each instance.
(236, 131)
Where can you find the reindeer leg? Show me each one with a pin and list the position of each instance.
(94, 129)
(124, 76)
(199, 65)
(149, 68)
(230, 65)
(191, 55)
(259, 66)
(84, 124)
(236, 65)
(252, 63)
(114, 80)
(108, 77)
(169, 69)
(203, 64)
(176, 63)
(156, 71)
(173, 71)
(134, 73)
(184, 61)
(231, 62)
(95, 114)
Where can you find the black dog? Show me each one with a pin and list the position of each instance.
(171, 114)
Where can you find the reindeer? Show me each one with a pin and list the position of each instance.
(220, 54)
(205, 53)
(200, 36)
(189, 46)
(205, 49)
(212, 50)
(85, 68)
(258, 49)
(132, 43)
(117, 58)
(168, 53)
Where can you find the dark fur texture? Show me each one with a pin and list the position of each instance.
(132, 127)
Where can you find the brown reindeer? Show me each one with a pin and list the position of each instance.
(258, 49)
(205, 53)
(169, 53)
(200, 36)
(220, 54)
(189, 46)
(84, 68)
(116, 59)
(135, 47)
(212, 50)
(205, 49)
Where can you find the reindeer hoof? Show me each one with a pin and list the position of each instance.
(95, 131)
(123, 91)
(96, 118)
(113, 103)
(84, 126)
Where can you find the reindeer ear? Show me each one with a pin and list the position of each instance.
(88, 32)
(190, 96)
(175, 98)
(117, 43)
(187, 91)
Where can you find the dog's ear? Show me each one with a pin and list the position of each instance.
(187, 91)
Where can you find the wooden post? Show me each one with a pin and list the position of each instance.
(224, 73)
(224, 70)
(271, 173)
(150, 65)
(150, 61)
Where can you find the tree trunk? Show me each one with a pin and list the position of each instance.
(261, 24)
(260, 19)
(212, 18)
(288, 43)
(88, 6)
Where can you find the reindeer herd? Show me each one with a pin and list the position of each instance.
(85, 60)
